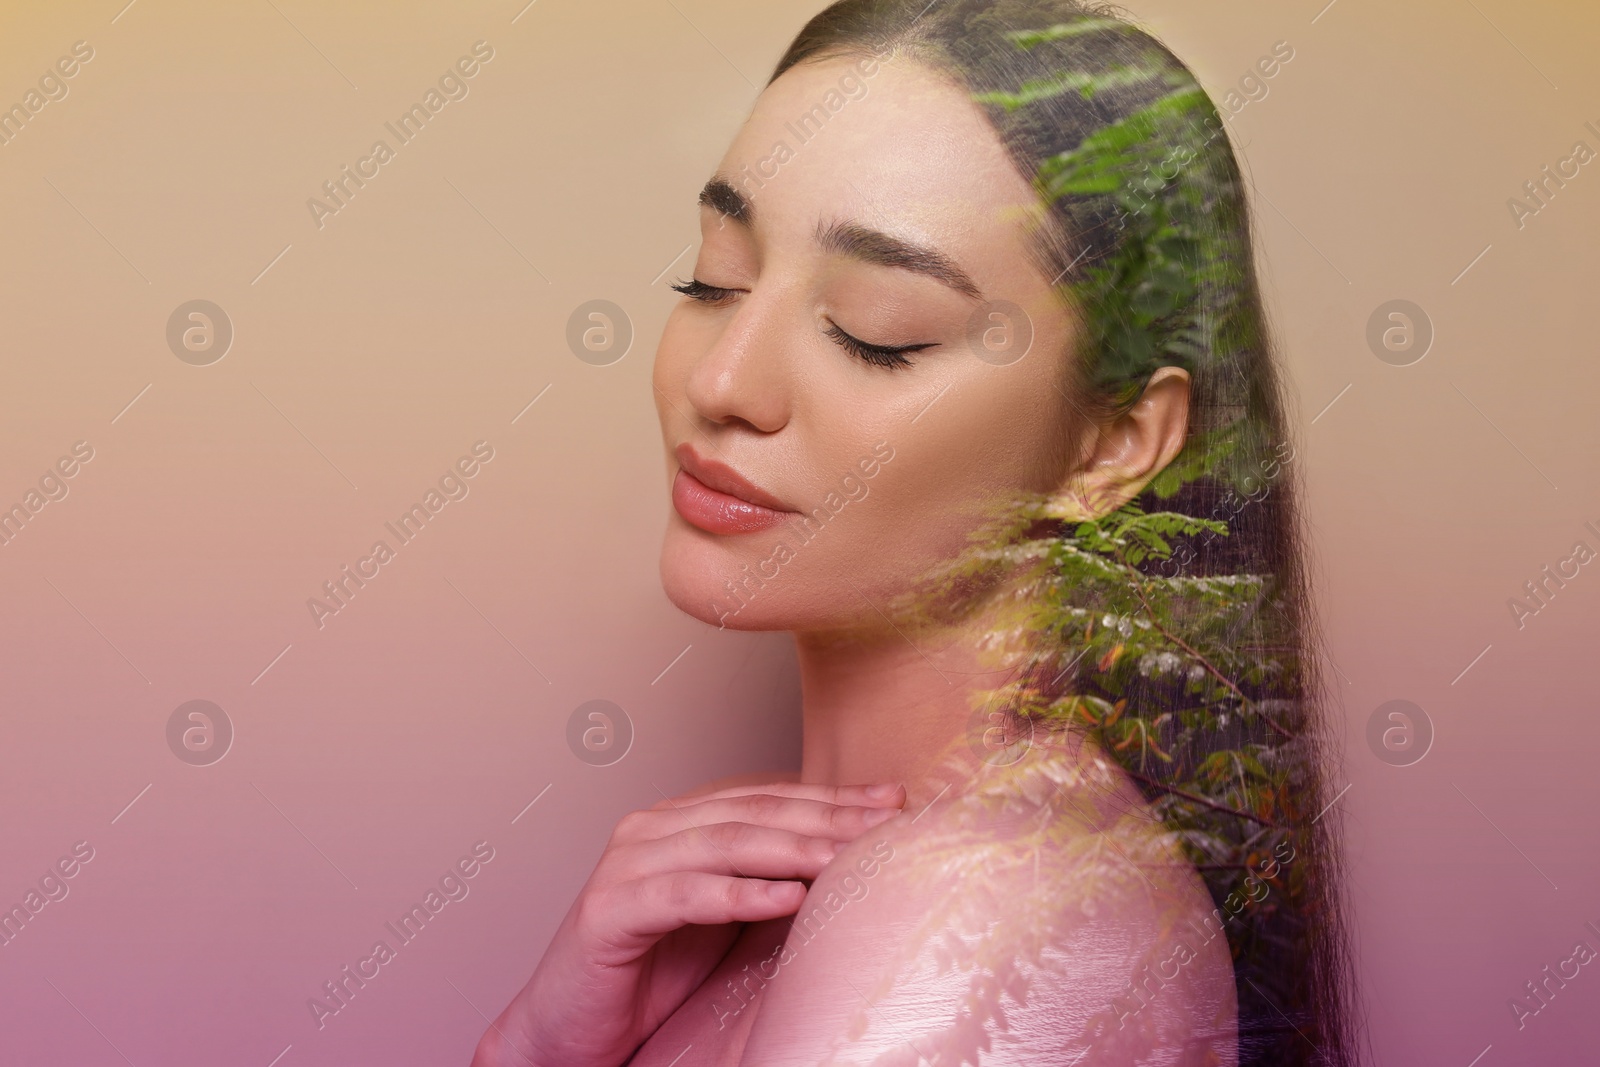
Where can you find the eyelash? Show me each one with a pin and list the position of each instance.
(890, 356)
(695, 289)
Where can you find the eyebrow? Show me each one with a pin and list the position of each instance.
(852, 240)
(720, 196)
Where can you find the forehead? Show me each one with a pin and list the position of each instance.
(889, 143)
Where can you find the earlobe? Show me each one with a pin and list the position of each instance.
(1132, 449)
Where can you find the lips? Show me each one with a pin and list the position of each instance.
(718, 499)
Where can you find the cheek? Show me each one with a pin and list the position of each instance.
(988, 438)
(996, 439)
(960, 465)
(953, 463)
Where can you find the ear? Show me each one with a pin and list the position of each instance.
(1122, 456)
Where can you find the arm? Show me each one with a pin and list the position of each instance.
(661, 908)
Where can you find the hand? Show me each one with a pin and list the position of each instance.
(664, 905)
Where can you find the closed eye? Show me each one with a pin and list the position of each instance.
(695, 289)
(877, 355)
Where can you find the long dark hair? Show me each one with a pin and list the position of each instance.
(1182, 621)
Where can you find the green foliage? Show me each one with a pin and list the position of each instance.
(1197, 674)
(1189, 683)
(1159, 297)
(1061, 31)
(1190, 680)
(1072, 81)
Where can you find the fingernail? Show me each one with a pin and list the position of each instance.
(881, 792)
(880, 815)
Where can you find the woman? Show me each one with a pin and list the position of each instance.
(974, 303)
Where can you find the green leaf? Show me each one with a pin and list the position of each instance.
(1061, 31)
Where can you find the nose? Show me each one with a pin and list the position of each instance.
(744, 375)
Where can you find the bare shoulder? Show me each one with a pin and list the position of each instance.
(1038, 913)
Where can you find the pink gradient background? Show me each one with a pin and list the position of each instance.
(426, 315)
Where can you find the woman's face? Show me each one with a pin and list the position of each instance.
(871, 354)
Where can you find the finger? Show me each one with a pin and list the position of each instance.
(646, 909)
(813, 818)
(880, 795)
(728, 848)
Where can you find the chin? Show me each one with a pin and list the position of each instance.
(696, 569)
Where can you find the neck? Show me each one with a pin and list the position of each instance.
(890, 706)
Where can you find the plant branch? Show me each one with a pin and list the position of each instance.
(1197, 799)
(1181, 643)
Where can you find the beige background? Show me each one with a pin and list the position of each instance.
(370, 353)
